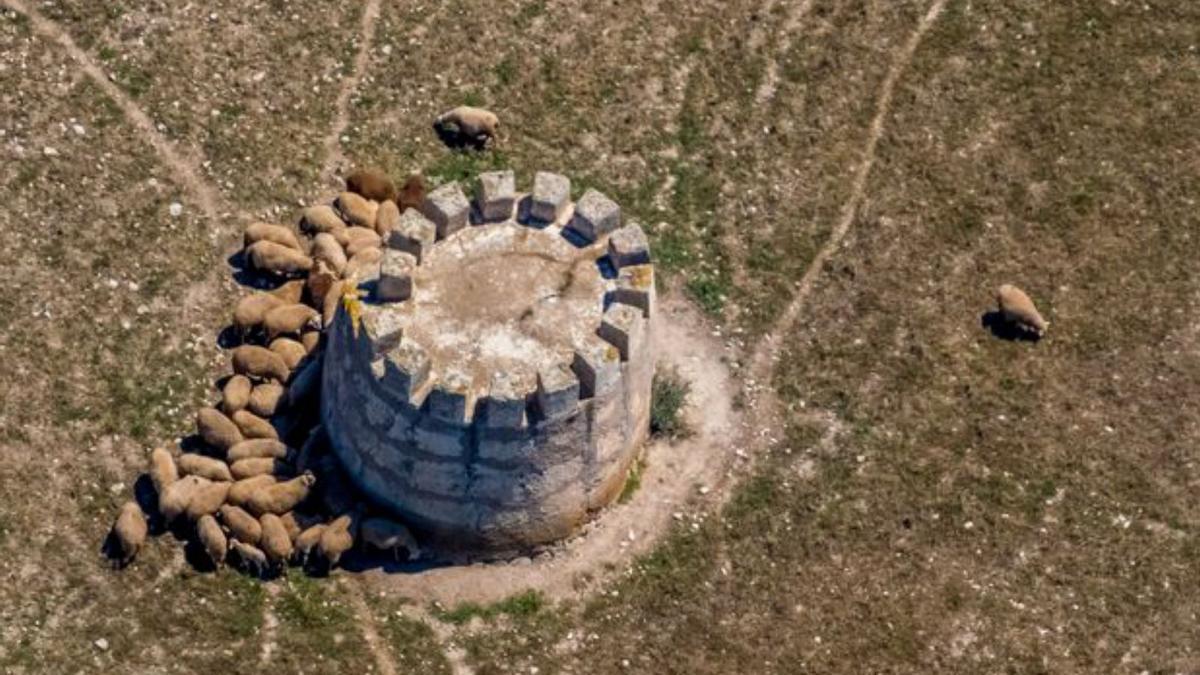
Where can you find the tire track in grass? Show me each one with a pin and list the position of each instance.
(335, 156)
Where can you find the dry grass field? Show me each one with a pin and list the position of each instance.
(839, 185)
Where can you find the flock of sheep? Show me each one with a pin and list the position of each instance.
(261, 489)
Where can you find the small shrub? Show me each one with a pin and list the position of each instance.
(668, 395)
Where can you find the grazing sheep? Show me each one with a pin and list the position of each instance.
(257, 448)
(320, 281)
(258, 466)
(253, 426)
(1017, 308)
(235, 394)
(207, 499)
(310, 341)
(206, 467)
(371, 184)
(333, 300)
(307, 540)
(475, 125)
(291, 320)
(290, 351)
(360, 243)
(291, 524)
(326, 249)
(281, 497)
(251, 310)
(356, 210)
(267, 256)
(412, 194)
(364, 264)
(354, 235)
(251, 558)
(163, 470)
(338, 538)
(215, 544)
(321, 218)
(388, 535)
(387, 218)
(291, 292)
(216, 429)
(244, 526)
(260, 362)
(256, 232)
(275, 540)
(240, 493)
(173, 502)
(129, 532)
(264, 399)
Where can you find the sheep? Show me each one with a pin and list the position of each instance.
(215, 544)
(310, 341)
(1018, 309)
(321, 218)
(207, 499)
(257, 448)
(256, 232)
(281, 497)
(371, 184)
(258, 466)
(291, 524)
(474, 125)
(267, 256)
(356, 210)
(320, 281)
(253, 426)
(260, 362)
(163, 471)
(290, 351)
(338, 538)
(235, 395)
(206, 467)
(364, 264)
(216, 429)
(387, 218)
(291, 320)
(331, 302)
(264, 399)
(173, 501)
(290, 293)
(240, 493)
(412, 194)
(251, 558)
(307, 541)
(275, 540)
(244, 526)
(326, 249)
(251, 310)
(388, 535)
(361, 242)
(129, 532)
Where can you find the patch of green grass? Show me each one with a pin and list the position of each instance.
(465, 166)
(521, 605)
(632, 482)
(506, 70)
(668, 396)
(528, 13)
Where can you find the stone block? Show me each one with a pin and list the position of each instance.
(441, 439)
(557, 392)
(452, 398)
(414, 234)
(508, 448)
(551, 196)
(495, 194)
(504, 406)
(629, 246)
(595, 216)
(635, 286)
(406, 369)
(448, 479)
(383, 329)
(448, 208)
(622, 326)
(395, 277)
(597, 365)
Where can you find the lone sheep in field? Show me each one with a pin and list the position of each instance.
(267, 256)
(250, 558)
(260, 362)
(205, 467)
(128, 533)
(1018, 309)
(371, 184)
(242, 525)
(281, 497)
(256, 232)
(275, 540)
(468, 125)
(173, 502)
(235, 394)
(388, 535)
(163, 470)
(215, 544)
(216, 429)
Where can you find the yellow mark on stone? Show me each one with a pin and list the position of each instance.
(351, 301)
(642, 276)
(612, 354)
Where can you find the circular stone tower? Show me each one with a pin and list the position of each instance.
(492, 386)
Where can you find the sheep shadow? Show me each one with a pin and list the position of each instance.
(1003, 329)
(359, 560)
(247, 276)
(455, 140)
(147, 498)
(110, 548)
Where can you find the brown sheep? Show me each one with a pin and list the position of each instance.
(253, 426)
(163, 470)
(387, 218)
(257, 447)
(216, 429)
(333, 300)
(235, 394)
(321, 218)
(251, 558)
(256, 232)
(241, 491)
(129, 532)
(291, 292)
(356, 210)
(264, 399)
(207, 499)
(326, 249)
(475, 125)
(260, 362)
(412, 194)
(281, 497)
(267, 256)
(258, 466)
(310, 341)
(371, 184)
(251, 310)
(206, 467)
(244, 526)
(359, 244)
(291, 320)
(291, 351)
(215, 544)
(1018, 309)
(364, 264)
(291, 524)
(307, 541)
(173, 502)
(338, 538)
(320, 281)
(275, 540)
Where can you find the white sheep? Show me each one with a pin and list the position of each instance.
(216, 429)
(259, 362)
(243, 488)
(338, 538)
(275, 540)
(256, 232)
(291, 320)
(291, 351)
(235, 394)
(388, 535)
(267, 256)
(174, 500)
(253, 426)
(257, 447)
(207, 499)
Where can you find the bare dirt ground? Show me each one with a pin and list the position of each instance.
(877, 483)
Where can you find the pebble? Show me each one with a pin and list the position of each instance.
(78, 129)
(176, 209)
(49, 151)
(101, 644)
